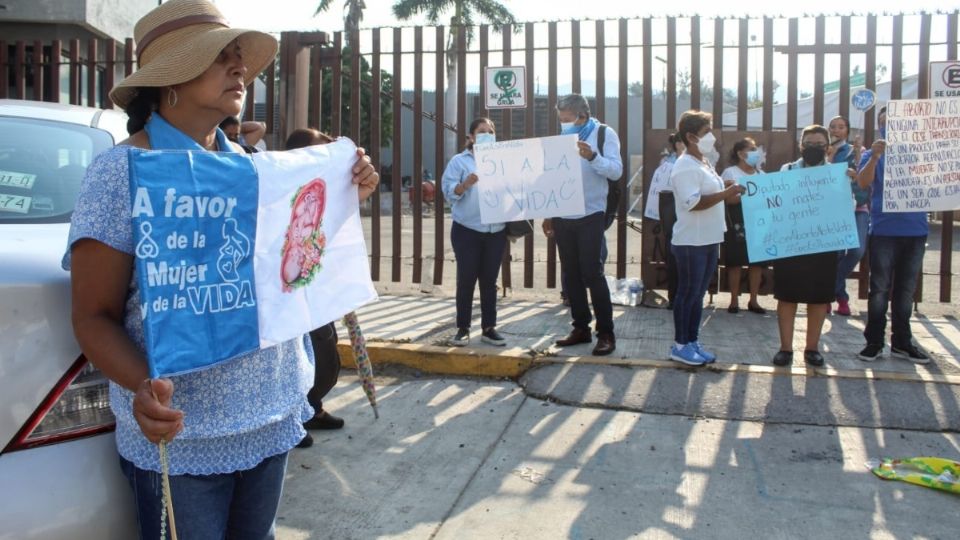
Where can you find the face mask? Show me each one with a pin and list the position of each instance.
(483, 138)
(813, 155)
(753, 158)
(883, 132)
(705, 144)
(568, 127)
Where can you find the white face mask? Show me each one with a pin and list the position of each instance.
(483, 138)
(705, 144)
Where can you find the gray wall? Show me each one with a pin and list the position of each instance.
(69, 19)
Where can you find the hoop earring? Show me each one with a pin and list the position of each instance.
(172, 98)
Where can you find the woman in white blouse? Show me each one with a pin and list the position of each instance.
(699, 199)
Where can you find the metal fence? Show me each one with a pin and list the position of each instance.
(641, 74)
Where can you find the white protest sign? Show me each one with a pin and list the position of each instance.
(529, 179)
(922, 167)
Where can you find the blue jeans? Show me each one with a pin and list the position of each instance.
(895, 263)
(478, 259)
(849, 259)
(238, 505)
(695, 266)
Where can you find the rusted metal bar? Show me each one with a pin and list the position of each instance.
(109, 74)
(818, 59)
(647, 79)
(75, 72)
(4, 70)
(574, 56)
(484, 62)
(417, 187)
(694, 65)
(355, 87)
(315, 107)
(38, 68)
(336, 80)
(946, 233)
(56, 50)
(439, 134)
(601, 77)
(767, 122)
(896, 69)
(551, 118)
(844, 96)
(462, 121)
(92, 73)
(529, 119)
(20, 75)
(506, 133)
(129, 50)
(718, 72)
(671, 88)
(792, 83)
(397, 154)
(376, 126)
(743, 73)
(624, 133)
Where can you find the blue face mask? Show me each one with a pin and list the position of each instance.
(483, 138)
(567, 128)
(753, 158)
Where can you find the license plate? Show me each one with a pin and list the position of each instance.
(17, 180)
(14, 203)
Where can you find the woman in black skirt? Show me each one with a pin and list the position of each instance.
(744, 161)
(805, 279)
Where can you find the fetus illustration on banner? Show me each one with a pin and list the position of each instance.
(235, 248)
(305, 241)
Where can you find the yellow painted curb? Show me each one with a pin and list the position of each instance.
(510, 363)
(513, 363)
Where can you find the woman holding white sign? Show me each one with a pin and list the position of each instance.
(699, 197)
(478, 246)
(805, 279)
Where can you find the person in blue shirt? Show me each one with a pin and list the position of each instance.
(228, 428)
(841, 151)
(897, 243)
(579, 237)
(477, 246)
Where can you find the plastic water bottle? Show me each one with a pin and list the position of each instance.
(635, 291)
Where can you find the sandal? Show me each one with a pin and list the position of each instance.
(755, 308)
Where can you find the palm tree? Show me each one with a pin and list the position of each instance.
(466, 14)
(351, 20)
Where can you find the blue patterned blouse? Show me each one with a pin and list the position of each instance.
(236, 413)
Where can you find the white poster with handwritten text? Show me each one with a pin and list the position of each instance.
(529, 179)
(922, 167)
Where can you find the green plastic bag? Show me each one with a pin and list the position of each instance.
(932, 472)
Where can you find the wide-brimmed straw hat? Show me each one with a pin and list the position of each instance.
(180, 39)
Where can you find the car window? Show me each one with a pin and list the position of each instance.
(42, 164)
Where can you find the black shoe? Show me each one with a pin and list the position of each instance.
(755, 308)
(871, 352)
(911, 353)
(324, 420)
(814, 358)
(733, 309)
(490, 336)
(461, 339)
(306, 441)
(783, 358)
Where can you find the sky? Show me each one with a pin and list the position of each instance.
(279, 15)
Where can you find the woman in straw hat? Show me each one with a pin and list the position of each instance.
(237, 416)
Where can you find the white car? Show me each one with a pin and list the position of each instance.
(59, 470)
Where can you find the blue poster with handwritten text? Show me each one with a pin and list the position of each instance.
(798, 212)
(194, 256)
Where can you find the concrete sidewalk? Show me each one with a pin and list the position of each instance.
(456, 458)
(413, 330)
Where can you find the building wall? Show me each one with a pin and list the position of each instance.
(69, 19)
